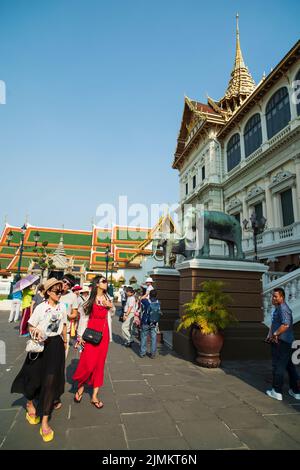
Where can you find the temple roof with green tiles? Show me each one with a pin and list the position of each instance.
(84, 248)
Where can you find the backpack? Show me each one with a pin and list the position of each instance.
(154, 312)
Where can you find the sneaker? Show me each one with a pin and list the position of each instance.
(142, 355)
(273, 394)
(128, 344)
(294, 395)
(152, 356)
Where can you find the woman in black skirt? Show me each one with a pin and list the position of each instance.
(42, 376)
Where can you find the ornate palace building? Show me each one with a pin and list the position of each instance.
(241, 154)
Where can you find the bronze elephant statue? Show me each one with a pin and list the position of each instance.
(212, 224)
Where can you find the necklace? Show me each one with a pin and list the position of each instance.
(99, 300)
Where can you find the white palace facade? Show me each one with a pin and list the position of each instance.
(241, 155)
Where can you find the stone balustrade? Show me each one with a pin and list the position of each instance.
(291, 284)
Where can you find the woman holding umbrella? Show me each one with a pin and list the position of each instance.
(42, 376)
(26, 286)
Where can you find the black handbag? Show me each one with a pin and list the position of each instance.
(92, 336)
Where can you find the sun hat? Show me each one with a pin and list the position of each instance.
(51, 282)
(149, 279)
(76, 288)
(84, 289)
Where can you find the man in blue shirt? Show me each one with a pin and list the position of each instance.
(281, 337)
(148, 327)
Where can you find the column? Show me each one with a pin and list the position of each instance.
(297, 171)
(242, 145)
(295, 203)
(245, 214)
(269, 215)
(264, 129)
(292, 104)
(276, 210)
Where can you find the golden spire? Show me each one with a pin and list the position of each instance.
(241, 83)
(239, 61)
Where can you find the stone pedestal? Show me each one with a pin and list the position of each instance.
(166, 282)
(243, 281)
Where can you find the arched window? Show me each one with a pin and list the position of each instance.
(233, 152)
(278, 112)
(252, 135)
(297, 92)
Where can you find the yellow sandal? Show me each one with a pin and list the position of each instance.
(47, 436)
(32, 419)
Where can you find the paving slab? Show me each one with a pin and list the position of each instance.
(149, 425)
(240, 417)
(108, 437)
(266, 438)
(289, 423)
(164, 443)
(209, 434)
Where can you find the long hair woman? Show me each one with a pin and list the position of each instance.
(90, 369)
(42, 376)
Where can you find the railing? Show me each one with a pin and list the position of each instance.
(280, 135)
(273, 236)
(271, 276)
(291, 284)
(286, 232)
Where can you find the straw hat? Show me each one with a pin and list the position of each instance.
(51, 282)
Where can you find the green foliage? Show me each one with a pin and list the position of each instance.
(43, 259)
(208, 310)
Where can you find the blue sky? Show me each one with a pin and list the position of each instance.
(95, 94)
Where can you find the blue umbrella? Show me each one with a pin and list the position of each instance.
(25, 282)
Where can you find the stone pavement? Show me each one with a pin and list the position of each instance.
(165, 403)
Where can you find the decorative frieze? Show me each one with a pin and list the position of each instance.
(234, 205)
(255, 195)
(281, 181)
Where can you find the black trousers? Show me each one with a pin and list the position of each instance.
(281, 362)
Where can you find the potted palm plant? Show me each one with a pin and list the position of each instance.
(208, 315)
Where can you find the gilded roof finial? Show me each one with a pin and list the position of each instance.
(241, 83)
(239, 61)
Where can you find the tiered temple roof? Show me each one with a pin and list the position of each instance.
(198, 118)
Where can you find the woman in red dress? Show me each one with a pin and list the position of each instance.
(90, 369)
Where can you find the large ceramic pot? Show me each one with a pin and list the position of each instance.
(208, 348)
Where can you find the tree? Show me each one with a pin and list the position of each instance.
(43, 259)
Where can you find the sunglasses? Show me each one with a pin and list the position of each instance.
(57, 292)
(104, 281)
(65, 281)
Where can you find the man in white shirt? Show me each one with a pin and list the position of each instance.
(70, 300)
(129, 317)
(149, 288)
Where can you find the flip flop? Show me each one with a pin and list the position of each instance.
(78, 400)
(47, 435)
(98, 404)
(32, 418)
(57, 405)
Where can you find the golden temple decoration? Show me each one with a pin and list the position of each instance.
(241, 83)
